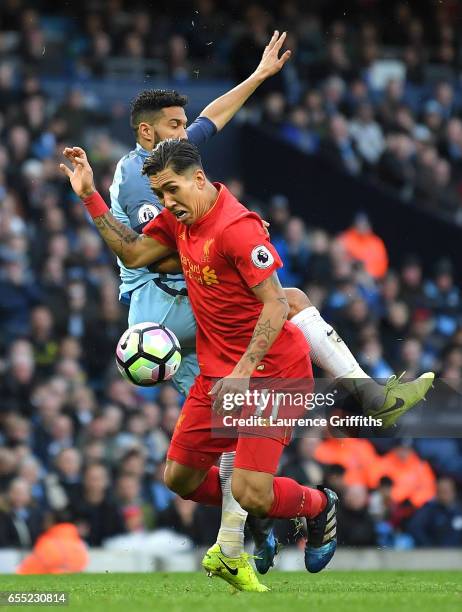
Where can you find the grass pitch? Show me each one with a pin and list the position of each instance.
(329, 591)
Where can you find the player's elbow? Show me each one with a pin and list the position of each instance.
(277, 309)
(134, 258)
(283, 305)
(216, 118)
(131, 262)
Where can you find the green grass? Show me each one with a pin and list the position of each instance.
(329, 591)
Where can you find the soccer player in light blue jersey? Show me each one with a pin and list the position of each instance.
(153, 295)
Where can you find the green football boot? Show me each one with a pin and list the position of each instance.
(400, 397)
(236, 571)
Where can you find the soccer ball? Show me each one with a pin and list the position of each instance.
(147, 354)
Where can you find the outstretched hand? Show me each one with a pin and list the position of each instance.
(271, 63)
(81, 174)
(230, 389)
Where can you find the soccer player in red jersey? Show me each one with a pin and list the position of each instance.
(241, 312)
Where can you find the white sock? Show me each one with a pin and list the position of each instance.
(233, 517)
(328, 351)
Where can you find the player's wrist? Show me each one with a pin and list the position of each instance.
(242, 370)
(259, 76)
(87, 193)
(95, 204)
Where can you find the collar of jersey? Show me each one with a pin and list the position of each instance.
(142, 151)
(222, 192)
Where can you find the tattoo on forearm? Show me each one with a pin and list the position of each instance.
(116, 235)
(262, 338)
(268, 325)
(263, 329)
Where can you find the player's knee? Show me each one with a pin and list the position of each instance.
(171, 479)
(180, 481)
(297, 299)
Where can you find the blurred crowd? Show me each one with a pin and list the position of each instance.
(74, 436)
(373, 88)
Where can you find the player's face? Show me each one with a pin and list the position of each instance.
(181, 194)
(171, 123)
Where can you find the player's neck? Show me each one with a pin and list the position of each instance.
(210, 197)
(147, 145)
(206, 202)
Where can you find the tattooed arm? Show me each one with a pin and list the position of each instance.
(169, 265)
(133, 249)
(268, 327)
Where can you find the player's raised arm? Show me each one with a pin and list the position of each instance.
(133, 249)
(223, 109)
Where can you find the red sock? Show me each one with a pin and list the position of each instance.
(209, 491)
(292, 499)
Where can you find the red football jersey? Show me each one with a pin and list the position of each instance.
(223, 255)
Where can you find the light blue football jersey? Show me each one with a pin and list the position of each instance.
(134, 204)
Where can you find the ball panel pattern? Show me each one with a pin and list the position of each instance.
(148, 353)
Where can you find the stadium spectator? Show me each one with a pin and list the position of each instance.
(137, 515)
(444, 454)
(396, 167)
(339, 148)
(356, 527)
(294, 252)
(439, 521)
(413, 479)
(411, 291)
(367, 134)
(381, 504)
(334, 478)
(186, 517)
(63, 482)
(19, 379)
(21, 522)
(19, 295)
(297, 130)
(361, 244)
(443, 297)
(7, 468)
(59, 550)
(31, 471)
(304, 467)
(156, 491)
(279, 215)
(353, 454)
(95, 513)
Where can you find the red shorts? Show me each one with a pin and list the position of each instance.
(193, 443)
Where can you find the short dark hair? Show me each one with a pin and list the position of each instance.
(150, 101)
(177, 153)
